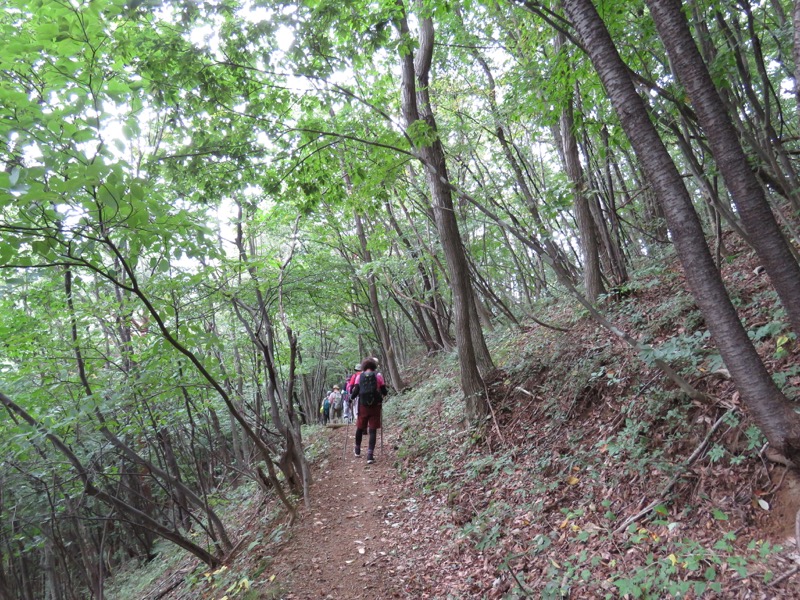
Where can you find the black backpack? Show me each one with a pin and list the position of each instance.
(368, 394)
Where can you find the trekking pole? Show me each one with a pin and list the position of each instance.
(346, 427)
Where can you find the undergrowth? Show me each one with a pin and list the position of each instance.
(247, 577)
(583, 435)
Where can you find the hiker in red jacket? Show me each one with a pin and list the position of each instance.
(370, 389)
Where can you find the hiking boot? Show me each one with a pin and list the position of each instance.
(370, 459)
(357, 453)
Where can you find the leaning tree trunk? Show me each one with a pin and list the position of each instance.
(744, 187)
(437, 313)
(771, 409)
(473, 355)
(90, 488)
(511, 152)
(587, 232)
(615, 233)
(420, 305)
(171, 480)
(796, 51)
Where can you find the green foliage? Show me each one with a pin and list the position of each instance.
(421, 133)
(689, 568)
(142, 141)
(136, 580)
(486, 528)
(420, 454)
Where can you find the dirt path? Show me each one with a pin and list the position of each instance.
(346, 546)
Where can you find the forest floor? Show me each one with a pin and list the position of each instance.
(371, 534)
(368, 534)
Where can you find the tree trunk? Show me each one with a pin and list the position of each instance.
(433, 339)
(602, 205)
(796, 51)
(747, 192)
(510, 152)
(374, 303)
(771, 409)
(439, 314)
(418, 113)
(131, 512)
(181, 504)
(592, 279)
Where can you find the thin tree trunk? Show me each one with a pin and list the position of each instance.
(592, 279)
(174, 483)
(610, 228)
(92, 490)
(438, 313)
(377, 315)
(796, 51)
(509, 150)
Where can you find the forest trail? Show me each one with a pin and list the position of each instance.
(346, 546)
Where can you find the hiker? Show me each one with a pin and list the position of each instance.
(349, 389)
(347, 409)
(326, 409)
(336, 404)
(370, 389)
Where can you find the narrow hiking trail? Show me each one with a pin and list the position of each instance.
(353, 542)
(370, 533)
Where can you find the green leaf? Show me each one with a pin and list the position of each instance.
(84, 135)
(421, 133)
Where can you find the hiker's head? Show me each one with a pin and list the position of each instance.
(369, 364)
(336, 388)
(358, 367)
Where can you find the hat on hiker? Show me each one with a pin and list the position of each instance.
(336, 387)
(358, 367)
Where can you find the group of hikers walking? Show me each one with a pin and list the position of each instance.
(362, 400)
(336, 407)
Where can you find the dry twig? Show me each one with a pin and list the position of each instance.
(797, 530)
(494, 417)
(785, 576)
(375, 560)
(667, 488)
(525, 590)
